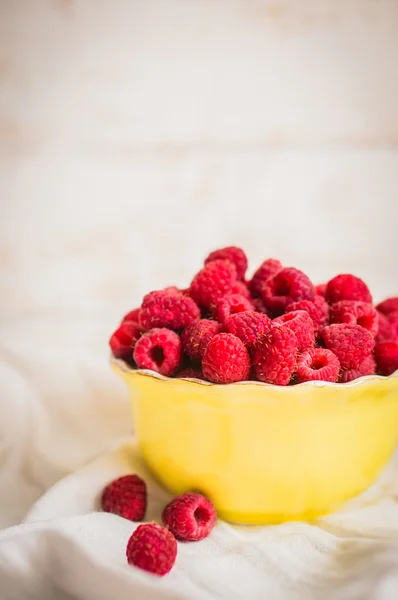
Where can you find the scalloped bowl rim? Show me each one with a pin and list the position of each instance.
(321, 384)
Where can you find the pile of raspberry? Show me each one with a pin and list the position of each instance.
(277, 327)
(153, 548)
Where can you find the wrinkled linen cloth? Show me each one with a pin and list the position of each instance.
(66, 431)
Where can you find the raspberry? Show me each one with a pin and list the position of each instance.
(190, 517)
(168, 308)
(386, 332)
(152, 548)
(320, 289)
(240, 287)
(268, 268)
(259, 305)
(230, 304)
(355, 313)
(388, 306)
(317, 364)
(214, 281)
(125, 497)
(367, 367)
(274, 355)
(133, 315)
(190, 373)
(124, 339)
(247, 326)
(347, 287)
(350, 343)
(386, 355)
(232, 254)
(195, 337)
(288, 285)
(226, 359)
(300, 322)
(159, 350)
(318, 310)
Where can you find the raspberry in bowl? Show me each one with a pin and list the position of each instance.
(273, 414)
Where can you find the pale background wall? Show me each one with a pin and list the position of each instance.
(135, 135)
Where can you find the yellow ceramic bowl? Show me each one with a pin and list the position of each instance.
(264, 453)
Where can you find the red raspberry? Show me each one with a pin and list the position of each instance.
(133, 315)
(247, 326)
(320, 289)
(259, 305)
(124, 339)
(318, 310)
(350, 343)
(195, 337)
(168, 308)
(317, 364)
(226, 359)
(152, 548)
(386, 355)
(386, 332)
(230, 304)
(214, 281)
(367, 367)
(268, 268)
(355, 313)
(234, 255)
(190, 373)
(274, 355)
(347, 287)
(125, 497)
(190, 517)
(159, 350)
(388, 306)
(300, 322)
(288, 285)
(240, 287)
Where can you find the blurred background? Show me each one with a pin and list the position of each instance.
(138, 135)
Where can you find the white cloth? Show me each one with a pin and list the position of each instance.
(65, 420)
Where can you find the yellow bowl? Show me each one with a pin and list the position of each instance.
(264, 453)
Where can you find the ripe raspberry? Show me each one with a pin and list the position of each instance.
(234, 255)
(268, 268)
(300, 322)
(195, 337)
(259, 305)
(190, 517)
(190, 373)
(133, 315)
(152, 548)
(248, 326)
(159, 350)
(386, 355)
(230, 304)
(318, 310)
(168, 308)
(317, 364)
(386, 332)
(347, 287)
(288, 285)
(124, 339)
(355, 313)
(388, 306)
(320, 289)
(212, 282)
(367, 367)
(240, 287)
(350, 343)
(226, 359)
(126, 497)
(274, 355)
